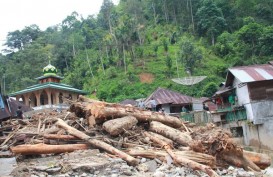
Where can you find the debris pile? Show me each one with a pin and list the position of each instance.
(129, 134)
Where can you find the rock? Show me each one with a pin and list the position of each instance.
(83, 175)
(143, 160)
(127, 173)
(150, 166)
(159, 174)
(53, 170)
(179, 171)
(114, 175)
(41, 168)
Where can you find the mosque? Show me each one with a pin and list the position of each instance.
(49, 91)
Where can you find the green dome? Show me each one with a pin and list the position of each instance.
(49, 70)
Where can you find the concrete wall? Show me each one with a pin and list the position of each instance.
(262, 111)
(259, 136)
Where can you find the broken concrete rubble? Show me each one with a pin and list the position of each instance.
(152, 146)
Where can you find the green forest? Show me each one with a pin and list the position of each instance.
(128, 50)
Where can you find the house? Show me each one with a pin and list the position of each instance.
(49, 92)
(244, 104)
(9, 106)
(171, 101)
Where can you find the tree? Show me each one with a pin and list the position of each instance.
(209, 89)
(190, 55)
(250, 35)
(210, 20)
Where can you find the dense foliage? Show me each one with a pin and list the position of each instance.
(129, 50)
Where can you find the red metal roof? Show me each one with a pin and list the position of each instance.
(251, 73)
(164, 96)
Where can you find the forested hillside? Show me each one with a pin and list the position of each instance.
(129, 50)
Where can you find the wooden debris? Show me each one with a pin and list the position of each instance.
(200, 147)
(183, 161)
(117, 126)
(97, 143)
(169, 132)
(261, 160)
(46, 149)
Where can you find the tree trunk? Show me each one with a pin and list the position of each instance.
(169, 132)
(191, 155)
(183, 161)
(116, 126)
(239, 160)
(261, 160)
(101, 111)
(46, 149)
(100, 144)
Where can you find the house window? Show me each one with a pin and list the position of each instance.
(237, 131)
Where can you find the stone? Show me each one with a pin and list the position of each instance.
(53, 170)
(127, 173)
(159, 174)
(143, 160)
(114, 175)
(150, 166)
(83, 175)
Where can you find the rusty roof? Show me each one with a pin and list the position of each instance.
(251, 73)
(164, 96)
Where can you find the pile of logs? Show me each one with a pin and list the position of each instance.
(130, 133)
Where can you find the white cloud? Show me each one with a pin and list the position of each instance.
(16, 14)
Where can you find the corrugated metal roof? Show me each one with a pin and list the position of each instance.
(164, 96)
(253, 73)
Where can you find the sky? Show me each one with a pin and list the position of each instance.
(16, 14)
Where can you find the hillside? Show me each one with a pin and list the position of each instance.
(129, 50)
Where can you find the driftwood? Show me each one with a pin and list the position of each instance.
(62, 137)
(191, 155)
(261, 160)
(182, 161)
(239, 160)
(116, 126)
(46, 149)
(100, 144)
(102, 111)
(169, 132)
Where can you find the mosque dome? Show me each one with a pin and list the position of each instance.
(49, 70)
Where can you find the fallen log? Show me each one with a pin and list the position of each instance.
(100, 144)
(117, 126)
(46, 149)
(191, 155)
(261, 160)
(239, 160)
(62, 137)
(171, 133)
(102, 111)
(183, 161)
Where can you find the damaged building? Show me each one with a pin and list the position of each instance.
(244, 105)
